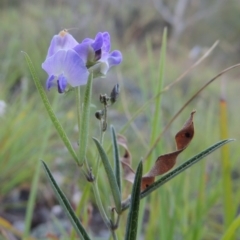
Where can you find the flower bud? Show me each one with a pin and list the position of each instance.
(114, 94)
(99, 114)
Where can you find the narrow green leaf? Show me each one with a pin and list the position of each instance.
(83, 135)
(132, 222)
(231, 230)
(66, 205)
(110, 175)
(178, 170)
(49, 109)
(32, 200)
(227, 193)
(183, 167)
(117, 168)
(156, 118)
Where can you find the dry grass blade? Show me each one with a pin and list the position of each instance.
(184, 106)
(205, 55)
(141, 109)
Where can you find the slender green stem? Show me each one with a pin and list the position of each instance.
(101, 142)
(78, 99)
(114, 235)
(100, 206)
(85, 119)
(32, 200)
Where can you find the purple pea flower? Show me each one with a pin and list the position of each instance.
(69, 62)
(96, 54)
(63, 65)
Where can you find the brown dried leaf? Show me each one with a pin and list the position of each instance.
(166, 162)
(185, 135)
(128, 172)
(126, 160)
(146, 181)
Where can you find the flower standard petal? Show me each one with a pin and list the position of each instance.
(106, 42)
(62, 41)
(98, 42)
(90, 49)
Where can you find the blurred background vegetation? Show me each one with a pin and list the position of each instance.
(136, 29)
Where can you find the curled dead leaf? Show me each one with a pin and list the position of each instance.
(165, 162)
(127, 158)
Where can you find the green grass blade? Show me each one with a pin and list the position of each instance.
(231, 230)
(227, 194)
(117, 167)
(156, 118)
(66, 205)
(83, 135)
(35, 182)
(145, 105)
(80, 206)
(49, 109)
(178, 170)
(32, 200)
(132, 222)
(110, 175)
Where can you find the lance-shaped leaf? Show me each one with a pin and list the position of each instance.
(117, 169)
(132, 222)
(66, 205)
(49, 109)
(83, 135)
(110, 175)
(165, 162)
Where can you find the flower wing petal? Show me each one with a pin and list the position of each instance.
(75, 69)
(114, 58)
(82, 50)
(54, 64)
(50, 82)
(62, 83)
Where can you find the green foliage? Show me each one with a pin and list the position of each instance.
(21, 142)
(132, 222)
(117, 167)
(50, 111)
(110, 175)
(189, 206)
(66, 205)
